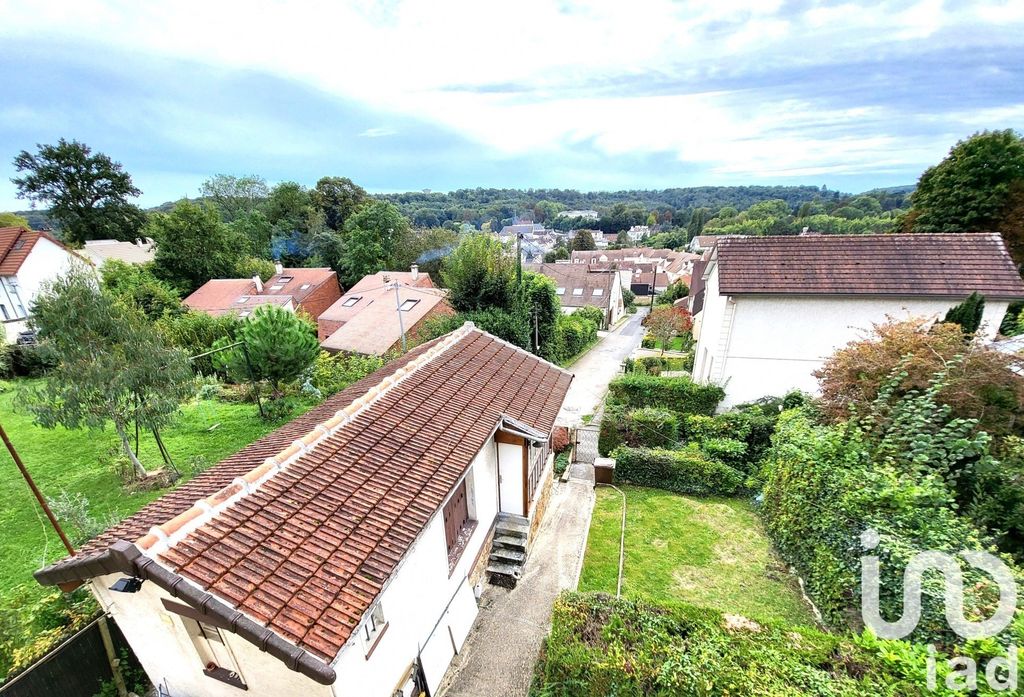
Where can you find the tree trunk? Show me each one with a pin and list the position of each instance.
(126, 445)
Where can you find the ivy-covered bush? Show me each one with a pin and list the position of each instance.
(728, 450)
(686, 471)
(679, 394)
(591, 314)
(652, 427)
(600, 645)
(574, 334)
(332, 373)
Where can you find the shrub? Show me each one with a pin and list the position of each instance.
(32, 360)
(247, 267)
(332, 373)
(679, 394)
(196, 332)
(136, 284)
(648, 342)
(728, 450)
(574, 334)
(686, 471)
(652, 427)
(591, 314)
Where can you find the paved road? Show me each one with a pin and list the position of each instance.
(597, 368)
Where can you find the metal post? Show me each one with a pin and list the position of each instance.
(536, 332)
(398, 307)
(35, 490)
(252, 379)
(519, 259)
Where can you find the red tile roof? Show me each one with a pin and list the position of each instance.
(309, 550)
(570, 277)
(946, 265)
(16, 243)
(220, 295)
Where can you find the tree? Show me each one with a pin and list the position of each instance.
(665, 322)
(559, 252)
(967, 314)
(546, 210)
(479, 274)
(112, 364)
(13, 220)
(698, 219)
(969, 190)
(371, 240)
(136, 285)
(1012, 222)
(337, 198)
(193, 246)
(674, 292)
(235, 196)
(87, 193)
(541, 310)
(583, 241)
(255, 231)
(281, 347)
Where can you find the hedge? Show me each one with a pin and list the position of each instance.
(647, 427)
(687, 471)
(681, 394)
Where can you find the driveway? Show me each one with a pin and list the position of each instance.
(597, 368)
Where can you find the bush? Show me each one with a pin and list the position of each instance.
(31, 360)
(573, 335)
(652, 427)
(136, 284)
(333, 373)
(728, 450)
(591, 314)
(648, 342)
(196, 332)
(680, 394)
(247, 267)
(686, 471)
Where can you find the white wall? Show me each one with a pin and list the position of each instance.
(44, 262)
(418, 594)
(776, 342)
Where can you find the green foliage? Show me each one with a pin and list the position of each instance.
(13, 220)
(752, 426)
(31, 360)
(33, 624)
(583, 241)
(135, 678)
(234, 197)
(479, 274)
(113, 365)
(331, 373)
(591, 314)
(967, 314)
(253, 228)
(337, 198)
(686, 471)
(675, 291)
(558, 253)
(247, 267)
(87, 193)
(136, 285)
(628, 299)
(647, 427)
(537, 304)
(680, 394)
(572, 336)
(371, 240)
(969, 189)
(193, 246)
(280, 345)
(996, 500)
(196, 332)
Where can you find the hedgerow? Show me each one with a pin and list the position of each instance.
(679, 394)
(686, 471)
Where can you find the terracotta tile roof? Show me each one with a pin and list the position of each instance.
(573, 277)
(376, 280)
(220, 295)
(947, 265)
(368, 289)
(299, 283)
(372, 327)
(308, 551)
(15, 245)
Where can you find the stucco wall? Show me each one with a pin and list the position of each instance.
(774, 343)
(44, 262)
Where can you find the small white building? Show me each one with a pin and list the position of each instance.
(774, 308)
(28, 259)
(341, 555)
(141, 251)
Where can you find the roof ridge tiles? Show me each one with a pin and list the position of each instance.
(163, 537)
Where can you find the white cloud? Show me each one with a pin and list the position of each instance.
(378, 132)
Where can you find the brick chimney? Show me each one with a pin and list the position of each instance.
(259, 284)
(278, 267)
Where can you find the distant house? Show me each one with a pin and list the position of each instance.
(339, 554)
(702, 243)
(576, 286)
(587, 214)
(523, 229)
(775, 308)
(366, 318)
(311, 290)
(138, 252)
(28, 259)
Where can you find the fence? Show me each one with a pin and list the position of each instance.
(76, 668)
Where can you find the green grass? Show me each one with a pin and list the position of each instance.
(62, 460)
(710, 552)
(676, 344)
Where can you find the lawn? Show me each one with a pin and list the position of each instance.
(675, 344)
(72, 461)
(710, 552)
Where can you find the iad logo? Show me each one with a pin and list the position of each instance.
(962, 668)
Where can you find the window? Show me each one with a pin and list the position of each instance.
(218, 662)
(458, 525)
(559, 291)
(284, 279)
(408, 305)
(3, 308)
(244, 313)
(242, 300)
(577, 291)
(304, 286)
(276, 287)
(374, 628)
(599, 291)
(351, 301)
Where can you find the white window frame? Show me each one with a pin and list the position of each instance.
(577, 292)
(559, 291)
(411, 302)
(352, 302)
(373, 626)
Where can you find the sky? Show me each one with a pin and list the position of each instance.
(444, 94)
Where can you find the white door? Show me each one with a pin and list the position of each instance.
(510, 478)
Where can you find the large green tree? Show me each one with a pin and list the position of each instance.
(479, 274)
(112, 366)
(583, 241)
(13, 220)
(371, 240)
(136, 285)
(235, 196)
(193, 246)
(337, 198)
(969, 190)
(87, 192)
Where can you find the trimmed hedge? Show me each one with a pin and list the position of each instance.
(648, 427)
(686, 471)
(681, 394)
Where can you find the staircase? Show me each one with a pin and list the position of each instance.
(508, 552)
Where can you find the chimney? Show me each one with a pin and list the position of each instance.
(278, 268)
(415, 268)
(259, 284)
(138, 242)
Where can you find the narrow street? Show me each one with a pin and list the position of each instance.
(499, 655)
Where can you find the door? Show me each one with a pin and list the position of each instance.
(510, 478)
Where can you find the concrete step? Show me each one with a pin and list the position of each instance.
(514, 518)
(506, 527)
(512, 556)
(510, 542)
(511, 570)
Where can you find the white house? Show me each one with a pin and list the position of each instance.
(774, 308)
(28, 259)
(341, 555)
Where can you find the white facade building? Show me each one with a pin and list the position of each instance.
(775, 308)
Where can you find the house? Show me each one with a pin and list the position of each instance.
(309, 290)
(576, 286)
(366, 318)
(138, 252)
(587, 214)
(775, 308)
(28, 260)
(340, 555)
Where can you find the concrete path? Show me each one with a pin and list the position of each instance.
(597, 368)
(499, 655)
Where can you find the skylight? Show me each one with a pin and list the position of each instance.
(284, 279)
(352, 301)
(276, 287)
(304, 286)
(559, 291)
(242, 300)
(408, 305)
(599, 291)
(577, 291)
